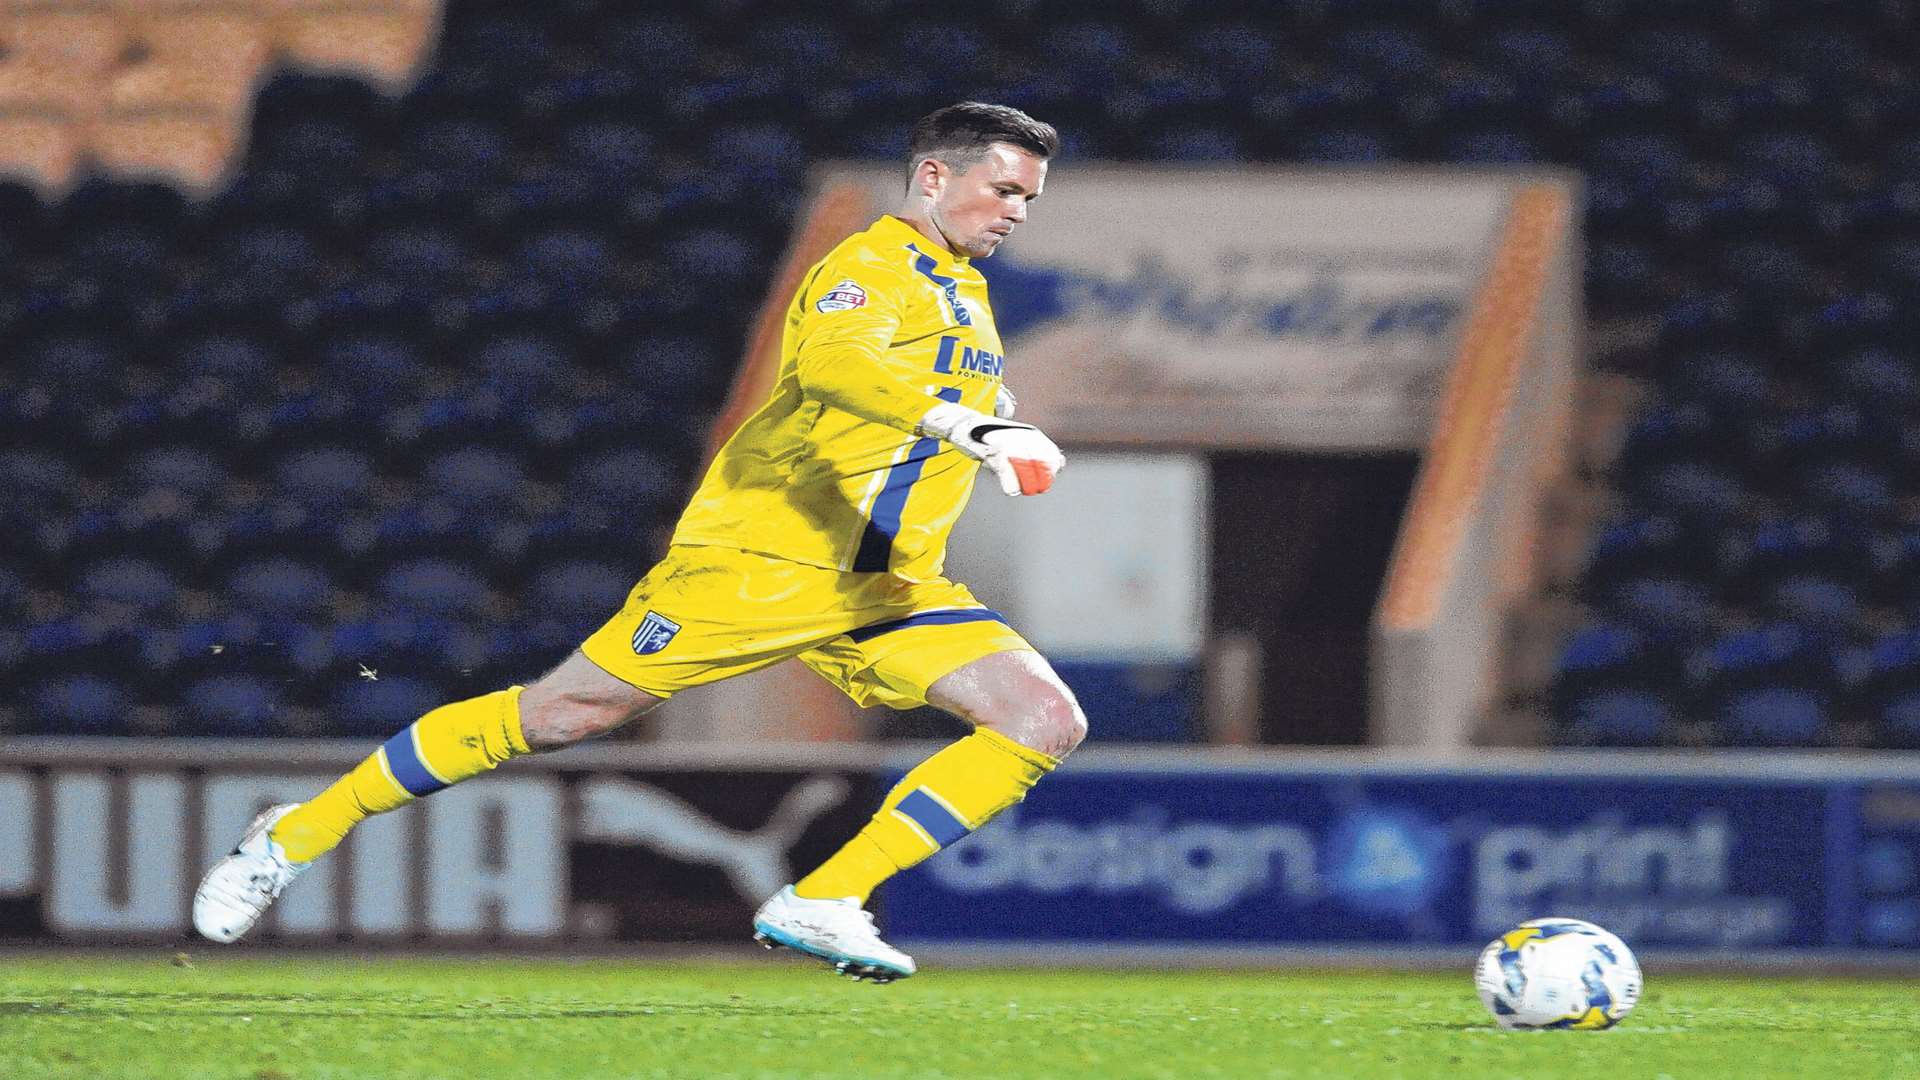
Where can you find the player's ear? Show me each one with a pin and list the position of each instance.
(929, 177)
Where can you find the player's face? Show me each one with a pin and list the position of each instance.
(978, 208)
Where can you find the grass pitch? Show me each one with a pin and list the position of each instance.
(290, 1016)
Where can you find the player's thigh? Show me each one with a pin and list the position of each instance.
(577, 700)
(704, 614)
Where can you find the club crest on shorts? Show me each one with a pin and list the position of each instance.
(845, 296)
(655, 631)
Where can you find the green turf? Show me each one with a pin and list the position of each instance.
(290, 1016)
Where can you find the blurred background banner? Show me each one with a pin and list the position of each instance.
(1285, 308)
(611, 847)
(1344, 853)
(1129, 849)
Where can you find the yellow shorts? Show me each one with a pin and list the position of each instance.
(703, 614)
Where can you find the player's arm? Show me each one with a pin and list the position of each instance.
(846, 326)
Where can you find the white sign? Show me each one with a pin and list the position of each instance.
(1238, 307)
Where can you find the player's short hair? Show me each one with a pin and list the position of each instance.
(959, 135)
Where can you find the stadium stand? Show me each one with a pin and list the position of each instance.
(350, 321)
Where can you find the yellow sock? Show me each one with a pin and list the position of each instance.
(943, 799)
(446, 746)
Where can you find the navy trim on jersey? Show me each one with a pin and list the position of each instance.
(883, 525)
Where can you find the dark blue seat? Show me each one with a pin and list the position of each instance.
(40, 475)
(570, 255)
(1753, 556)
(1607, 655)
(1345, 145)
(384, 366)
(1768, 657)
(324, 479)
(420, 252)
(236, 705)
(136, 582)
(1648, 545)
(383, 705)
(1619, 717)
(1238, 50)
(712, 253)
(1858, 487)
(1182, 142)
(74, 361)
(1669, 609)
(1776, 716)
(1897, 720)
(435, 587)
(627, 481)
(477, 480)
(1692, 486)
(609, 148)
(1820, 601)
(579, 585)
(280, 588)
(676, 370)
(81, 705)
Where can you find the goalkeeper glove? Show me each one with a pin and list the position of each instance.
(1021, 457)
(1004, 402)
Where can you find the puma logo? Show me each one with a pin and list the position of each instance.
(624, 812)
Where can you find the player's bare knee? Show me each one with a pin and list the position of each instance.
(1062, 724)
(1046, 720)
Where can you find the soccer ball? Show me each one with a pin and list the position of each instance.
(1557, 973)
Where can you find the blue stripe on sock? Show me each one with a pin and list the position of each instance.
(933, 817)
(407, 766)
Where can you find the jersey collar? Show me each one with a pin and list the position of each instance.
(896, 229)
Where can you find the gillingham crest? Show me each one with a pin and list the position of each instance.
(654, 634)
(845, 296)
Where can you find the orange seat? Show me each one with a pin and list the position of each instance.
(232, 40)
(189, 150)
(44, 151)
(161, 86)
(383, 46)
(90, 40)
(49, 87)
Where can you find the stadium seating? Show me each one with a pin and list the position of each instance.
(384, 327)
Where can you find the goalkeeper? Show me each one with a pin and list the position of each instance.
(820, 532)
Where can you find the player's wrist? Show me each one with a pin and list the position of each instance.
(946, 419)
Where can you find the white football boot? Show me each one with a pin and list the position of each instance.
(242, 886)
(837, 931)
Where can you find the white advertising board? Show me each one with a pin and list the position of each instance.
(1306, 309)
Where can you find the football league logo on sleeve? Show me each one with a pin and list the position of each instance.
(845, 296)
(654, 633)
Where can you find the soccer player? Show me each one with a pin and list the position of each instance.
(819, 532)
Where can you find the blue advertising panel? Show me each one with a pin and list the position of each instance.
(1235, 857)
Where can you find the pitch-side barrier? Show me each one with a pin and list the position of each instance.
(1208, 855)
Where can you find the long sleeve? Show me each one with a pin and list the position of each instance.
(846, 323)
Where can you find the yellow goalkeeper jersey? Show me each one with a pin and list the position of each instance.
(829, 472)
